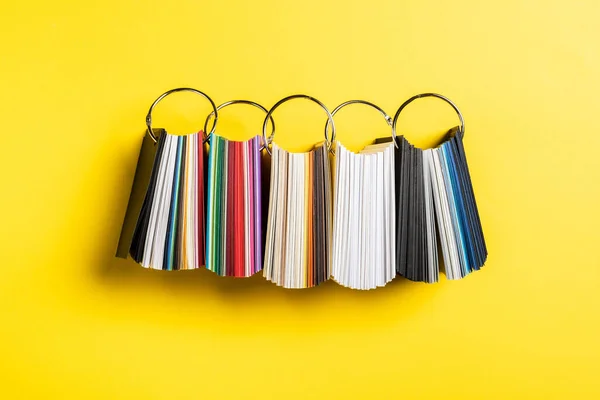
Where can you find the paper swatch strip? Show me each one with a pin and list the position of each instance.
(364, 255)
(435, 201)
(297, 248)
(234, 217)
(169, 234)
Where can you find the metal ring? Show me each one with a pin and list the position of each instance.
(388, 119)
(252, 103)
(297, 96)
(461, 129)
(165, 94)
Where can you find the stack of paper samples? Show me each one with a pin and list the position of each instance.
(170, 229)
(364, 217)
(233, 209)
(297, 249)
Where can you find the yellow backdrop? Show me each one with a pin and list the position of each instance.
(77, 78)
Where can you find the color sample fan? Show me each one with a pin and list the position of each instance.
(169, 233)
(435, 201)
(164, 226)
(234, 216)
(364, 217)
(298, 240)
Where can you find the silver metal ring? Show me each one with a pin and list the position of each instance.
(297, 96)
(252, 103)
(165, 94)
(461, 128)
(388, 119)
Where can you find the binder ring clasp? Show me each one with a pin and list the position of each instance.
(388, 119)
(461, 128)
(184, 89)
(297, 96)
(249, 102)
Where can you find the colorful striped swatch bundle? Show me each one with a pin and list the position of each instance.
(434, 190)
(364, 240)
(169, 233)
(233, 210)
(298, 239)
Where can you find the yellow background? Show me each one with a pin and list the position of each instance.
(77, 78)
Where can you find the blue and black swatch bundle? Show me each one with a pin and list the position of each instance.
(436, 211)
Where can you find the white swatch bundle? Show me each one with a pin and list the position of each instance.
(364, 245)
